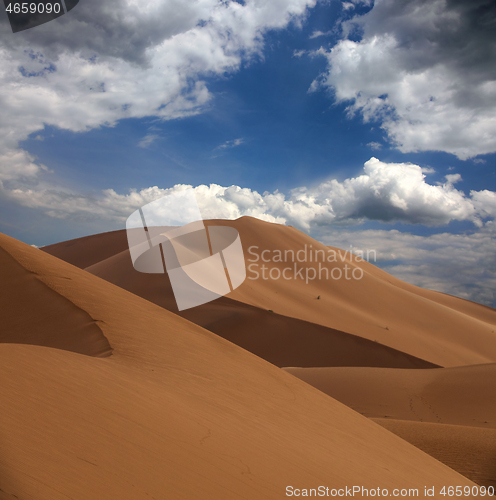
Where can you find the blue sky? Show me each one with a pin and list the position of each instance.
(291, 98)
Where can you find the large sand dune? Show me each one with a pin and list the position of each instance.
(345, 337)
(378, 307)
(175, 412)
(282, 340)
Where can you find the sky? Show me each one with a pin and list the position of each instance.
(368, 125)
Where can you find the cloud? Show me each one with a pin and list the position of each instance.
(459, 264)
(484, 202)
(354, 3)
(118, 59)
(453, 178)
(147, 140)
(375, 145)
(231, 144)
(317, 34)
(387, 192)
(424, 70)
(428, 170)
(463, 265)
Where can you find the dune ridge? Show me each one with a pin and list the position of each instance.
(281, 340)
(34, 313)
(380, 308)
(88, 250)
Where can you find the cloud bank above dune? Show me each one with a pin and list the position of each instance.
(387, 192)
(333, 212)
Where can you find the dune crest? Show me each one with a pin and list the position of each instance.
(378, 307)
(34, 313)
(281, 340)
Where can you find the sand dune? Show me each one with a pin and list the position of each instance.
(380, 308)
(88, 250)
(279, 339)
(383, 322)
(471, 451)
(459, 396)
(286, 341)
(175, 412)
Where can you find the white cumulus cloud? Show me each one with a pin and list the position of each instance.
(118, 59)
(387, 192)
(424, 70)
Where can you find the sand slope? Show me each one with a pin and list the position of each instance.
(450, 413)
(281, 340)
(286, 341)
(88, 250)
(460, 396)
(378, 307)
(176, 412)
(471, 451)
(33, 313)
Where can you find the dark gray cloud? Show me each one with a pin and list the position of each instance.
(461, 33)
(114, 28)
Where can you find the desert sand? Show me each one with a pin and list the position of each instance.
(449, 413)
(469, 450)
(458, 396)
(175, 411)
(114, 393)
(421, 323)
(375, 322)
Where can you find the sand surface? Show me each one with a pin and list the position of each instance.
(423, 324)
(459, 396)
(34, 313)
(419, 363)
(469, 450)
(450, 413)
(175, 412)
